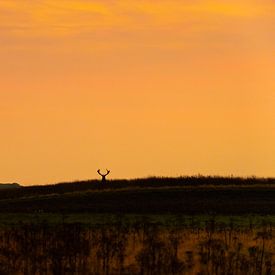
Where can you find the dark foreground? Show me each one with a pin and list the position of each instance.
(191, 195)
(138, 248)
(192, 225)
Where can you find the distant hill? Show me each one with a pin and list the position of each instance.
(9, 185)
(147, 196)
(185, 195)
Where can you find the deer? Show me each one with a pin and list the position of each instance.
(103, 175)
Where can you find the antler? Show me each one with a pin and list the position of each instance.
(108, 172)
(98, 171)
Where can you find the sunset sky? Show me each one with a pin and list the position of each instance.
(141, 87)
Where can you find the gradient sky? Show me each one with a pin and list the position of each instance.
(142, 87)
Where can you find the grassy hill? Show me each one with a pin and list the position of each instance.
(9, 185)
(184, 195)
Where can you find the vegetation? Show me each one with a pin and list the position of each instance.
(186, 225)
(9, 185)
(155, 182)
(185, 195)
(8, 220)
(137, 248)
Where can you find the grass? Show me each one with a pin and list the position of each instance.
(186, 225)
(166, 220)
(152, 182)
(138, 248)
(158, 196)
(191, 201)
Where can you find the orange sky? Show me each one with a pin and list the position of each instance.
(165, 87)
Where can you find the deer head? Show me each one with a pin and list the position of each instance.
(103, 175)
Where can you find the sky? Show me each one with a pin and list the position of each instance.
(141, 87)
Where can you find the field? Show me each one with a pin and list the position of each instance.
(186, 195)
(188, 225)
(142, 247)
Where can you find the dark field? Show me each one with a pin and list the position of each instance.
(189, 225)
(137, 248)
(187, 195)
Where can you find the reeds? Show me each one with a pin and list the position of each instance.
(141, 248)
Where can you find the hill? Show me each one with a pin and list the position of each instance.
(9, 185)
(185, 195)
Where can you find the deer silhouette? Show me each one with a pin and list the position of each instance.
(103, 175)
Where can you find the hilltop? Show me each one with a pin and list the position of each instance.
(188, 195)
(140, 183)
(9, 185)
